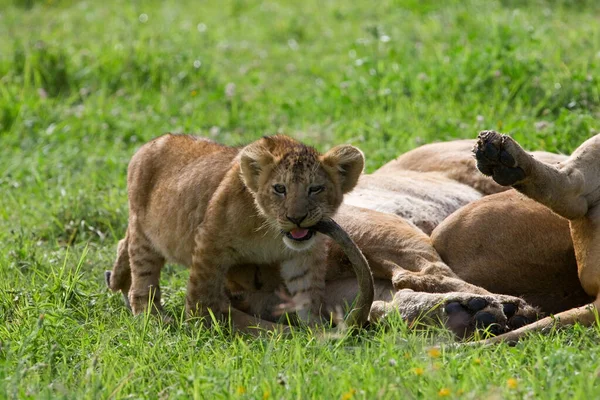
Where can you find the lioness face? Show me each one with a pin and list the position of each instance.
(295, 187)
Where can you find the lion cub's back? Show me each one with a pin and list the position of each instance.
(170, 182)
(177, 159)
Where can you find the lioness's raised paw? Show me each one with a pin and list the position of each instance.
(500, 157)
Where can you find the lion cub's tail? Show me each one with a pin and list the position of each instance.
(120, 276)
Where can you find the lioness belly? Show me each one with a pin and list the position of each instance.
(425, 199)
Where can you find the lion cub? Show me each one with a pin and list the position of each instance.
(210, 207)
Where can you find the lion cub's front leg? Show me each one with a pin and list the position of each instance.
(206, 285)
(304, 277)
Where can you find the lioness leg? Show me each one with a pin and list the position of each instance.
(145, 263)
(585, 315)
(403, 255)
(568, 188)
(572, 190)
(515, 311)
(433, 277)
(586, 235)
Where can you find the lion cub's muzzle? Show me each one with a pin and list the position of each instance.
(300, 228)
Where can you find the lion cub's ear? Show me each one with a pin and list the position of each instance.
(253, 160)
(348, 161)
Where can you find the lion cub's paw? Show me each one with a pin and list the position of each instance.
(500, 157)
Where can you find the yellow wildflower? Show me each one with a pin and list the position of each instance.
(418, 371)
(240, 390)
(512, 383)
(444, 392)
(434, 352)
(349, 394)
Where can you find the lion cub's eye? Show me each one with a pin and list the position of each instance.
(316, 189)
(279, 188)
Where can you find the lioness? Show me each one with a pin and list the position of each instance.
(210, 207)
(503, 241)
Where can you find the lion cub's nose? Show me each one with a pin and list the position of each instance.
(297, 220)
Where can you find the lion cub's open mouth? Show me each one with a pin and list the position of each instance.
(300, 234)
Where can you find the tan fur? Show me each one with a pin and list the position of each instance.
(572, 190)
(423, 198)
(210, 207)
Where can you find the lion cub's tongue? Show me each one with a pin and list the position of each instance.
(299, 233)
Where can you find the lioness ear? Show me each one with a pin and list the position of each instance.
(253, 160)
(348, 161)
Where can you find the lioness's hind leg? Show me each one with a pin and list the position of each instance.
(561, 188)
(145, 263)
(119, 279)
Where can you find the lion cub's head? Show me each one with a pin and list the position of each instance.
(295, 187)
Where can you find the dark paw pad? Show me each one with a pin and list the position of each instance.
(454, 307)
(477, 303)
(487, 321)
(518, 321)
(484, 319)
(507, 176)
(459, 319)
(107, 275)
(509, 309)
(493, 160)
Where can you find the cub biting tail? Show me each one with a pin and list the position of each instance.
(210, 207)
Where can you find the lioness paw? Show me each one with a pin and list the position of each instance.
(466, 314)
(500, 157)
(518, 312)
(462, 313)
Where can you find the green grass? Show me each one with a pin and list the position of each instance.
(83, 84)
